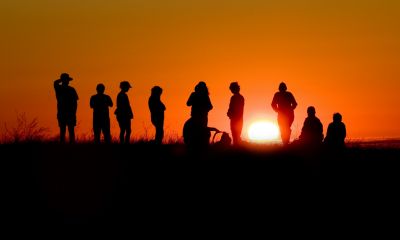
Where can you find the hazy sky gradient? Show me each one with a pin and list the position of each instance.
(340, 56)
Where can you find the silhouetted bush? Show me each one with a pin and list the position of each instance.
(24, 130)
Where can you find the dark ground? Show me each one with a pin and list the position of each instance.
(145, 184)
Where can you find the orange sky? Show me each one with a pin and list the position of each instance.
(340, 56)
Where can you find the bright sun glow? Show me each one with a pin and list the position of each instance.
(263, 131)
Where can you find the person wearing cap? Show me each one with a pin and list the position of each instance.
(124, 112)
(284, 104)
(67, 104)
(101, 119)
(157, 109)
(235, 112)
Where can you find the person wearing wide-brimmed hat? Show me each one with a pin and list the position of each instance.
(67, 104)
(124, 112)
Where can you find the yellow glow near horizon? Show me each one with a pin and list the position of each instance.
(263, 131)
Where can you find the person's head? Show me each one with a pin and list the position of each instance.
(282, 87)
(125, 86)
(311, 111)
(65, 78)
(201, 87)
(156, 91)
(234, 87)
(100, 88)
(337, 117)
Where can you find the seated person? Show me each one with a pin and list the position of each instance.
(312, 131)
(336, 132)
(195, 134)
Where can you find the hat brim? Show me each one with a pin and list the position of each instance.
(66, 79)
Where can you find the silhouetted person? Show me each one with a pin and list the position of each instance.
(312, 131)
(284, 104)
(195, 136)
(157, 109)
(67, 104)
(200, 102)
(336, 133)
(235, 113)
(124, 113)
(101, 118)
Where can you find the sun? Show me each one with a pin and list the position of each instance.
(263, 131)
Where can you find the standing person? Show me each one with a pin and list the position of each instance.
(284, 104)
(157, 109)
(235, 112)
(124, 112)
(200, 102)
(67, 104)
(336, 133)
(101, 118)
(312, 131)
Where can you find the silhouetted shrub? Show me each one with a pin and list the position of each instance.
(24, 130)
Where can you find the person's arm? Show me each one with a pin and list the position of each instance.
(57, 83)
(210, 106)
(230, 109)
(91, 102)
(190, 100)
(76, 101)
(274, 104)
(110, 102)
(294, 103)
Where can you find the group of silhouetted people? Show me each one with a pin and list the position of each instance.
(311, 135)
(100, 103)
(196, 131)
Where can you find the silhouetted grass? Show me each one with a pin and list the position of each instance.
(24, 131)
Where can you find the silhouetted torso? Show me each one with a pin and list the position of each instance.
(335, 134)
(67, 103)
(284, 102)
(123, 110)
(236, 106)
(312, 131)
(201, 105)
(157, 109)
(100, 104)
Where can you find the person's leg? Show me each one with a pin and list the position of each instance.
(159, 133)
(63, 129)
(122, 131)
(71, 131)
(106, 132)
(236, 127)
(284, 129)
(128, 131)
(96, 132)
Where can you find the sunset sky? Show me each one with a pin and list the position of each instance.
(339, 56)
